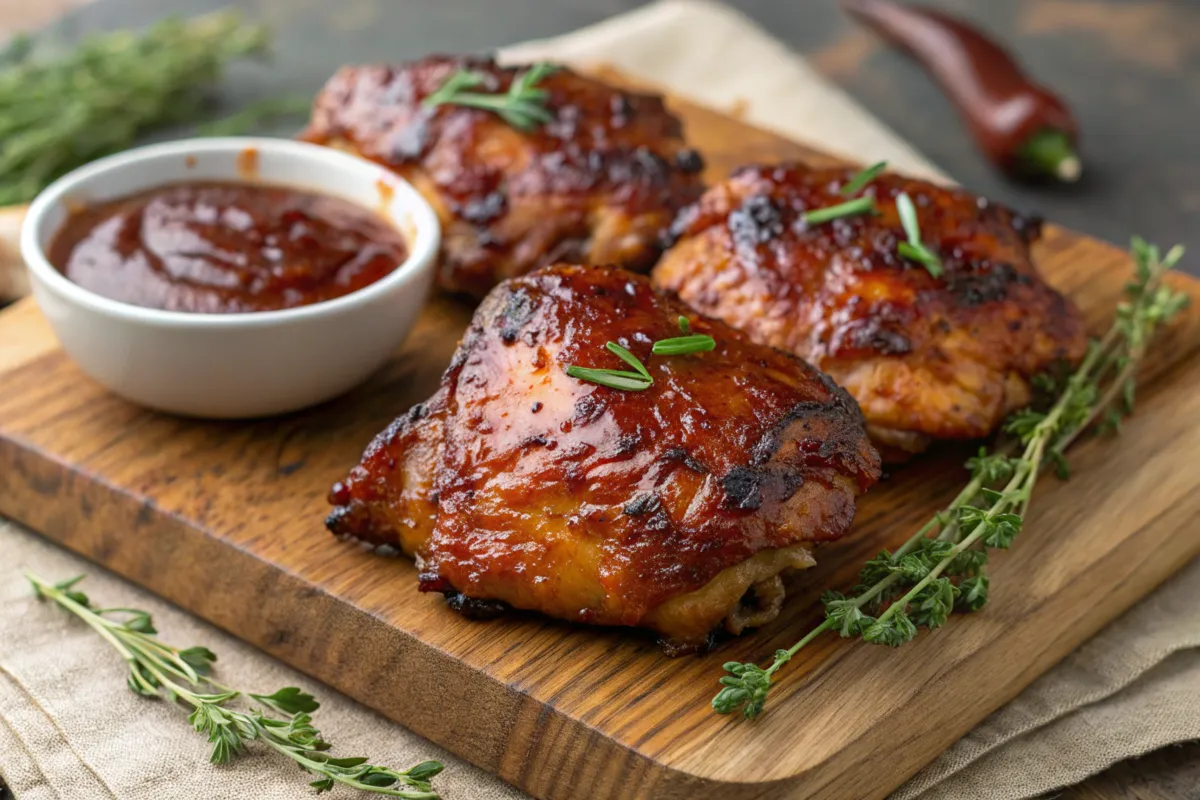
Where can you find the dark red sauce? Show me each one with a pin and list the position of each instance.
(225, 248)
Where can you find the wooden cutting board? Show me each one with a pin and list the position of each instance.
(225, 519)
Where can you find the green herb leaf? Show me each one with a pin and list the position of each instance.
(973, 593)
(682, 345)
(629, 358)
(850, 208)
(913, 249)
(847, 616)
(290, 700)
(859, 181)
(684, 325)
(627, 381)
(933, 604)
(892, 630)
(746, 688)
(523, 106)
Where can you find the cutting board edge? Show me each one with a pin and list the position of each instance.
(45, 476)
(32, 476)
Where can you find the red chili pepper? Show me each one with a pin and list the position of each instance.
(1023, 127)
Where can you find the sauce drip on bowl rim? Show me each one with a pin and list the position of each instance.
(214, 247)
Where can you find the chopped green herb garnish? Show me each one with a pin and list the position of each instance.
(616, 378)
(640, 378)
(682, 345)
(850, 208)
(612, 378)
(523, 106)
(859, 181)
(913, 249)
(629, 358)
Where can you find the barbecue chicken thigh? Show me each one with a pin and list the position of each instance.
(674, 508)
(926, 357)
(598, 181)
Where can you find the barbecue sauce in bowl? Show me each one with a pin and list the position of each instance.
(216, 248)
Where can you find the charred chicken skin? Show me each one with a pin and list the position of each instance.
(674, 508)
(926, 357)
(598, 183)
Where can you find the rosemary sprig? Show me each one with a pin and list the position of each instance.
(942, 567)
(640, 378)
(523, 106)
(97, 98)
(860, 181)
(282, 720)
(914, 249)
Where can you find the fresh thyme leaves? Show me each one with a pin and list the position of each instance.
(682, 345)
(860, 181)
(61, 111)
(942, 567)
(850, 208)
(283, 721)
(913, 249)
(523, 106)
(640, 378)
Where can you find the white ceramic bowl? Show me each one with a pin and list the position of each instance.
(245, 364)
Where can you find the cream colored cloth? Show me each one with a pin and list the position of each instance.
(70, 729)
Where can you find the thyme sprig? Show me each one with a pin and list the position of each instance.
(523, 106)
(72, 105)
(914, 248)
(282, 720)
(942, 567)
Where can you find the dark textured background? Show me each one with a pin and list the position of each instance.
(1130, 69)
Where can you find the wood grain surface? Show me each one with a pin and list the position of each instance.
(225, 517)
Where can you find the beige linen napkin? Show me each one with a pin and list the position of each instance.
(70, 729)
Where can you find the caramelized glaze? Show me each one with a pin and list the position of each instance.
(599, 183)
(519, 484)
(925, 357)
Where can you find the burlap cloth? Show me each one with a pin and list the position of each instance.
(70, 729)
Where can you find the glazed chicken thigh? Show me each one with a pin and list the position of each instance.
(925, 356)
(675, 508)
(599, 182)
